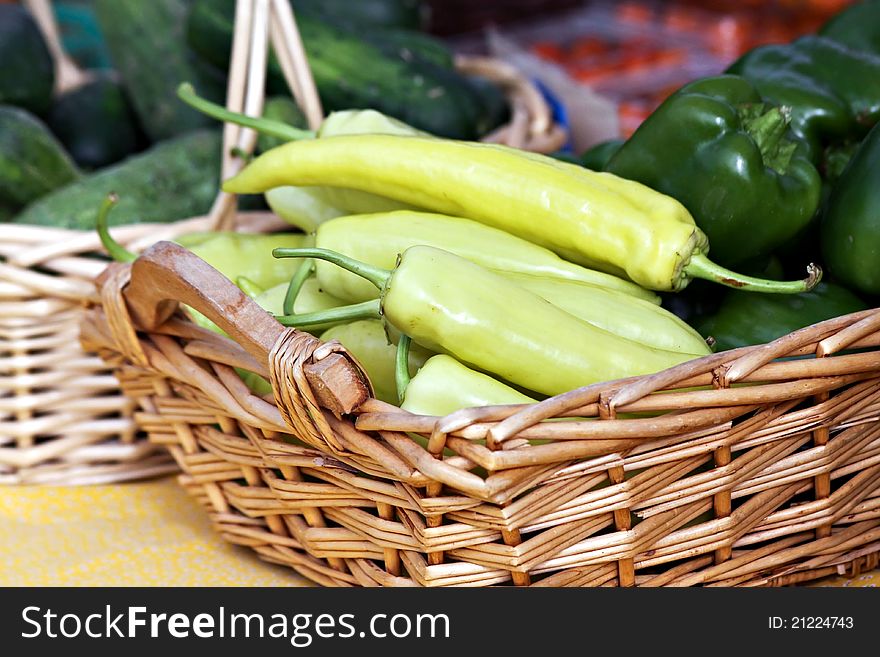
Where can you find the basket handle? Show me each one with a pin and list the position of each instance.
(68, 75)
(260, 24)
(167, 274)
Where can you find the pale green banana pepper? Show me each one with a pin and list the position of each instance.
(367, 342)
(451, 305)
(377, 239)
(443, 386)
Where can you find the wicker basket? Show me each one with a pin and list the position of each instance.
(63, 419)
(754, 469)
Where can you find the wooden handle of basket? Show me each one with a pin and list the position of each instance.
(167, 274)
(67, 74)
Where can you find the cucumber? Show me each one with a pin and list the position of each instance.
(410, 14)
(351, 73)
(175, 179)
(7, 212)
(27, 74)
(495, 106)
(32, 161)
(407, 44)
(96, 123)
(146, 41)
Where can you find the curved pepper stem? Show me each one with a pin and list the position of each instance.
(324, 319)
(401, 367)
(701, 267)
(296, 282)
(270, 127)
(376, 275)
(118, 252)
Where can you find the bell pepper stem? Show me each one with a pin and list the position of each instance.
(118, 252)
(768, 131)
(401, 367)
(333, 316)
(701, 267)
(296, 282)
(376, 275)
(270, 127)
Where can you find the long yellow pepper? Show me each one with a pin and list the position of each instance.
(595, 219)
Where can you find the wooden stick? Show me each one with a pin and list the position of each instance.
(68, 76)
(287, 40)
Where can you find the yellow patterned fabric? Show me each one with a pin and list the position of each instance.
(144, 534)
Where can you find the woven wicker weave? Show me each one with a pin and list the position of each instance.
(765, 471)
(63, 419)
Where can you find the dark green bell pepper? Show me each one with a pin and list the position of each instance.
(833, 91)
(730, 159)
(851, 220)
(857, 26)
(746, 318)
(805, 247)
(835, 158)
(597, 156)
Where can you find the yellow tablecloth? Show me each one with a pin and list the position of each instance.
(142, 534)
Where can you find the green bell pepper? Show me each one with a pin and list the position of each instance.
(833, 91)
(746, 318)
(857, 26)
(597, 156)
(850, 228)
(731, 161)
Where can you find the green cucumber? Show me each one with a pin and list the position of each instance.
(32, 161)
(147, 43)
(407, 45)
(7, 212)
(175, 179)
(495, 106)
(27, 74)
(351, 73)
(96, 123)
(409, 14)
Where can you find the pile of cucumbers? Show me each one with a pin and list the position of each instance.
(124, 130)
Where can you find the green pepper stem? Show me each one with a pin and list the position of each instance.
(401, 367)
(331, 317)
(118, 252)
(768, 131)
(296, 282)
(270, 127)
(701, 267)
(376, 275)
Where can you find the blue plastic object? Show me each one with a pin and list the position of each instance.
(560, 114)
(80, 34)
